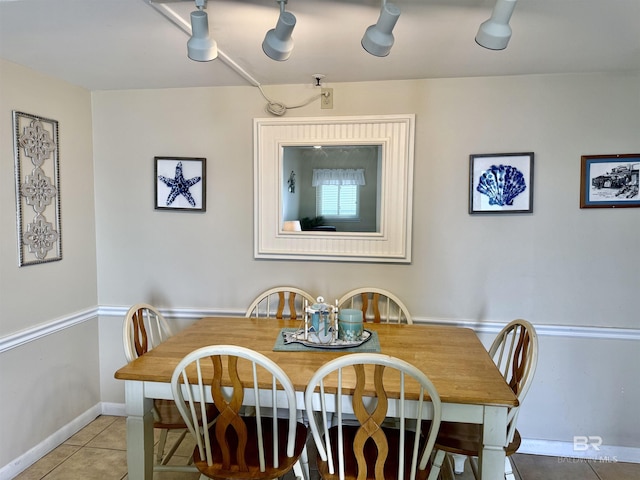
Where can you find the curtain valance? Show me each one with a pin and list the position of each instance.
(337, 176)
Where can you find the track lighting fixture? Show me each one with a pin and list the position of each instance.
(378, 39)
(278, 43)
(201, 47)
(495, 33)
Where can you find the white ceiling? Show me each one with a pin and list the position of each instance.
(127, 44)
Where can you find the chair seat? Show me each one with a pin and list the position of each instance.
(217, 471)
(371, 455)
(465, 439)
(169, 416)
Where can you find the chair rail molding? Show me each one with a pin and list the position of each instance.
(27, 335)
(21, 337)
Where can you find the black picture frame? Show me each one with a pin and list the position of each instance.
(501, 183)
(180, 184)
(610, 181)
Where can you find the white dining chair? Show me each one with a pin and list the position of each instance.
(368, 449)
(515, 353)
(144, 328)
(237, 446)
(281, 303)
(377, 305)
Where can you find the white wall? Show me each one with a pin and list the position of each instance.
(558, 266)
(36, 378)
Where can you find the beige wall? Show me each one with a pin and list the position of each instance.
(36, 379)
(558, 266)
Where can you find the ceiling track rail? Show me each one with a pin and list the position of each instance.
(185, 26)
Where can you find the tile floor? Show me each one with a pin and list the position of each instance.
(98, 452)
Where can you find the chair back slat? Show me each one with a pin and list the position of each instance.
(377, 305)
(370, 447)
(515, 352)
(144, 328)
(280, 303)
(370, 422)
(139, 333)
(249, 446)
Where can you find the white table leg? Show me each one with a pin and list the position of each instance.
(139, 432)
(494, 435)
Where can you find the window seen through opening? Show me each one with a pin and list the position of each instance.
(337, 201)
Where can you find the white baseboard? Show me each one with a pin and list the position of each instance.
(567, 452)
(114, 409)
(24, 461)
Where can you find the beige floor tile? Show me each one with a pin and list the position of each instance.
(538, 467)
(87, 434)
(175, 475)
(186, 446)
(616, 471)
(114, 436)
(48, 462)
(92, 464)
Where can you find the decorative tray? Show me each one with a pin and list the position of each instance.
(313, 340)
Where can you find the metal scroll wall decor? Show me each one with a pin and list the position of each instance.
(37, 189)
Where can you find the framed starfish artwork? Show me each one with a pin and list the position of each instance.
(180, 184)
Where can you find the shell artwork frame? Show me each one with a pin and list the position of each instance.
(37, 174)
(501, 183)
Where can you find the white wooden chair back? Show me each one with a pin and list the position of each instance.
(280, 302)
(515, 353)
(201, 375)
(348, 375)
(377, 305)
(144, 328)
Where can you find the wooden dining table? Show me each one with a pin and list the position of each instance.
(469, 384)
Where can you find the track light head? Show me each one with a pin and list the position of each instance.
(495, 33)
(378, 39)
(278, 43)
(201, 47)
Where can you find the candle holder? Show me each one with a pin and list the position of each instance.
(321, 328)
(321, 319)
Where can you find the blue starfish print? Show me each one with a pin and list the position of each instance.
(179, 186)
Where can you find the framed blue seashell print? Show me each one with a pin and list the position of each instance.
(180, 184)
(501, 183)
(609, 181)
